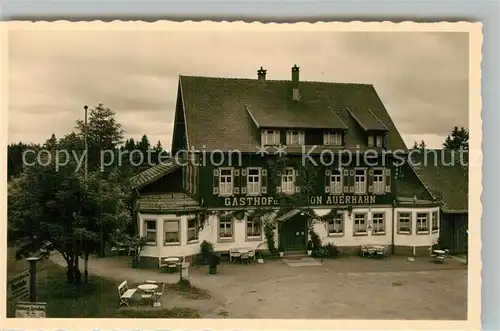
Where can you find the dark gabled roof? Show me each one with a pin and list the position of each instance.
(171, 202)
(223, 113)
(446, 175)
(368, 120)
(154, 173)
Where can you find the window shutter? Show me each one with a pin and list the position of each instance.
(328, 175)
(263, 177)
(370, 181)
(243, 181)
(216, 181)
(297, 173)
(388, 180)
(351, 181)
(236, 179)
(345, 180)
(277, 138)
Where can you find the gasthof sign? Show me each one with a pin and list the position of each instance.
(18, 287)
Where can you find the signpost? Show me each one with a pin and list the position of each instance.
(31, 309)
(22, 286)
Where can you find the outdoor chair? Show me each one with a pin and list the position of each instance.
(148, 297)
(234, 253)
(245, 257)
(160, 293)
(251, 254)
(125, 294)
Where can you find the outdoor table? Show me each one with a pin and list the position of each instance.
(147, 287)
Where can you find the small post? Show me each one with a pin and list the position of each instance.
(32, 261)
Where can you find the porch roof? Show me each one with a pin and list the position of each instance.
(170, 202)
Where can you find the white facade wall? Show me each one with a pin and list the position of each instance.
(347, 238)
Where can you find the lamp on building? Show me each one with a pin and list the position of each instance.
(415, 199)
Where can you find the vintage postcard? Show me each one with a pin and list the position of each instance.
(242, 175)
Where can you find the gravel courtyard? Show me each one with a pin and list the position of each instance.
(346, 288)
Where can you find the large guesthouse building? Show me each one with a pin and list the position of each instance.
(249, 155)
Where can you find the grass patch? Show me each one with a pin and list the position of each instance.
(98, 298)
(186, 289)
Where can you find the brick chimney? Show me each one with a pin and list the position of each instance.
(261, 74)
(295, 83)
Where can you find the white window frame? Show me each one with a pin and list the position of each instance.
(356, 229)
(378, 141)
(332, 138)
(167, 243)
(254, 188)
(270, 137)
(422, 223)
(359, 186)
(406, 216)
(155, 231)
(219, 232)
(288, 181)
(378, 218)
(228, 188)
(435, 220)
(295, 137)
(336, 182)
(255, 224)
(337, 223)
(371, 140)
(195, 229)
(378, 185)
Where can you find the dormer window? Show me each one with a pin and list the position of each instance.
(375, 140)
(270, 137)
(332, 138)
(294, 137)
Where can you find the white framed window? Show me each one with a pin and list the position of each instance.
(150, 231)
(404, 223)
(371, 140)
(288, 181)
(336, 182)
(378, 141)
(336, 226)
(226, 229)
(378, 223)
(332, 138)
(422, 223)
(359, 224)
(360, 181)
(253, 181)
(295, 137)
(226, 181)
(172, 233)
(378, 181)
(435, 221)
(192, 230)
(270, 137)
(253, 230)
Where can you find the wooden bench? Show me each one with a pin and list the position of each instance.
(125, 293)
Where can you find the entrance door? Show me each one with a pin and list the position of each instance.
(293, 233)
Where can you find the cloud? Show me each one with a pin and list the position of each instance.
(422, 78)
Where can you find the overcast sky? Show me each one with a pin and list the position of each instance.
(422, 78)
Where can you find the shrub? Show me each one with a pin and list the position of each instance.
(315, 239)
(206, 250)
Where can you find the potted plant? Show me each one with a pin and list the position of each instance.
(281, 249)
(309, 247)
(206, 251)
(212, 266)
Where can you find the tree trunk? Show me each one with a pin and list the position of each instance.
(70, 273)
(85, 267)
(78, 274)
